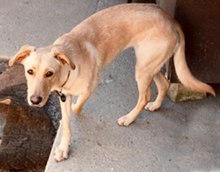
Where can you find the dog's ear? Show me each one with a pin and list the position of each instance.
(21, 54)
(61, 55)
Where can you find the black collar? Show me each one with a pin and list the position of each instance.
(66, 80)
(63, 96)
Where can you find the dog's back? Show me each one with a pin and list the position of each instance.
(122, 26)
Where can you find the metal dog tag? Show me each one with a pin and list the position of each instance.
(63, 97)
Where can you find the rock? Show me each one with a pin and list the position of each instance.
(177, 92)
(28, 132)
(13, 80)
(27, 137)
(12, 76)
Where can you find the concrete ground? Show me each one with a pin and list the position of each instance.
(180, 137)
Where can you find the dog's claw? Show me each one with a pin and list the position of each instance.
(61, 153)
(152, 106)
(125, 120)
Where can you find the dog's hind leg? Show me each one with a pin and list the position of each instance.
(143, 83)
(162, 87)
(144, 76)
(151, 56)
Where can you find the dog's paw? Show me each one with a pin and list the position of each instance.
(61, 153)
(125, 120)
(152, 106)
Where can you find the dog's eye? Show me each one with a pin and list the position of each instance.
(48, 74)
(30, 72)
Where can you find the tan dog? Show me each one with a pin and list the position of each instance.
(72, 64)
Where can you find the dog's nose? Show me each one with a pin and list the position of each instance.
(35, 99)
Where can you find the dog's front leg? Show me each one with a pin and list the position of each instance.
(77, 107)
(62, 150)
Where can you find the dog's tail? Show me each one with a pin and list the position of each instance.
(182, 70)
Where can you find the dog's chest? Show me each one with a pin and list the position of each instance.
(76, 87)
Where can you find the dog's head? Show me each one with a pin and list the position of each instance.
(44, 70)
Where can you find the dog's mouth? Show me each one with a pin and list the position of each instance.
(36, 105)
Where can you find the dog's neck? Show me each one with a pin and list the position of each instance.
(68, 76)
(60, 91)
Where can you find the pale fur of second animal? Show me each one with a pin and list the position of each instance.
(71, 65)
